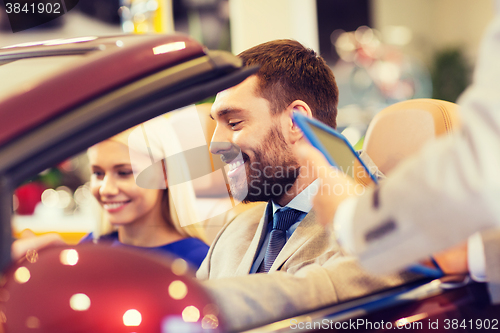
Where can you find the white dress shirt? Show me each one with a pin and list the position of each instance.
(302, 202)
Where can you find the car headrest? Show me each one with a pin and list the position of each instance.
(401, 129)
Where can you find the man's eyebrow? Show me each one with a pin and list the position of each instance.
(225, 112)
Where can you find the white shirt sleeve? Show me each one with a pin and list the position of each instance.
(342, 224)
(476, 259)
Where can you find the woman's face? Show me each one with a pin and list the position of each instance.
(113, 185)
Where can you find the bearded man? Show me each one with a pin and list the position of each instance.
(274, 260)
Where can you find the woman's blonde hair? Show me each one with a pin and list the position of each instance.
(155, 139)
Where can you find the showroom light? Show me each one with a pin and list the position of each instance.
(132, 317)
(22, 275)
(32, 322)
(69, 257)
(179, 267)
(170, 47)
(79, 302)
(191, 314)
(210, 322)
(70, 40)
(177, 290)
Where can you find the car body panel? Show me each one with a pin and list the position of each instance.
(96, 288)
(103, 64)
(447, 304)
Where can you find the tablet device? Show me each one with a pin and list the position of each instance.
(336, 148)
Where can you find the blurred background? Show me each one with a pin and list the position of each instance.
(381, 52)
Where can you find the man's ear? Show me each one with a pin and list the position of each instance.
(295, 132)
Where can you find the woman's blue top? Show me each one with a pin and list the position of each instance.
(193, 250)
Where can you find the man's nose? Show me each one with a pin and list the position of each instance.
(227, 150)
(219, 142)
(220, 148)
(221, 145)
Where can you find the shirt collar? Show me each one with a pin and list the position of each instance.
(303, 200)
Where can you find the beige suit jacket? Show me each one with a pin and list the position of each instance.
(309, 272)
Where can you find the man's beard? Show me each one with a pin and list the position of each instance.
(272, 172)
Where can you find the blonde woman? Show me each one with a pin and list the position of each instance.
(144, 216)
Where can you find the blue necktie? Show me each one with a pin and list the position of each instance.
(282, 220)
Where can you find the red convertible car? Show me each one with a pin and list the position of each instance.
(58, 98)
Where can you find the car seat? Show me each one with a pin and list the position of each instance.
(402, 129)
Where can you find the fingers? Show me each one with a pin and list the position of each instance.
(312, 159)
(32, 242)
(453, 260)
(335, 186)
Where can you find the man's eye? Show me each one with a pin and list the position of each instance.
(234, 124)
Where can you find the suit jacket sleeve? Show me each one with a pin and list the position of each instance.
(309, 272)
(257, 299)
(446, 192)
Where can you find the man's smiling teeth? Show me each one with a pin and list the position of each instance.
(114, 205)
(234, 165)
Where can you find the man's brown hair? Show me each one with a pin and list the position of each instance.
(288, 72)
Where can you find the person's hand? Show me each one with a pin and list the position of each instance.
(453, 260)
(29, 241)
(335, 185)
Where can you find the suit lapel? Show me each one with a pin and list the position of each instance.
(306, 229)
(251, 253)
